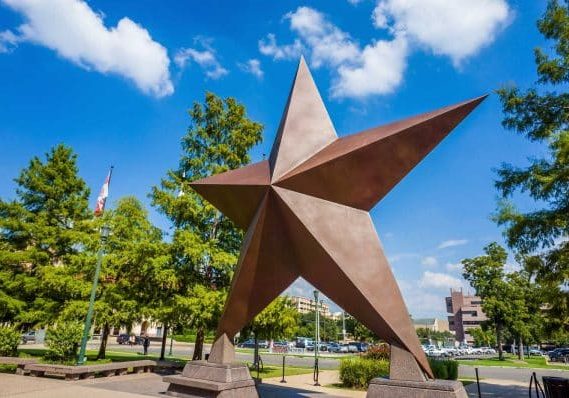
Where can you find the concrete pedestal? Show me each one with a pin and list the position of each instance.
(386, 388)
(212, 380)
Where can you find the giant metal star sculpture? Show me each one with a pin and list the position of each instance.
(306, 214)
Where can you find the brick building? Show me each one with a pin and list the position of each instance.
(466, 313)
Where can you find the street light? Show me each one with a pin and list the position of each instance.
(105, 230)
(317, 338)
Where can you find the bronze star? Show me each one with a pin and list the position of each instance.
(306, 214)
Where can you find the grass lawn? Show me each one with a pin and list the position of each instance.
(276, 371)
(513, 362)
(111, 356)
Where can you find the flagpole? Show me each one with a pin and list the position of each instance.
(103, 239)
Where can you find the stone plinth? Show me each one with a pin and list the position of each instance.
(385, 388)
(215, 380)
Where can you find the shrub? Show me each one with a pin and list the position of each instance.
(358, 372)
(63, 341)
(9, 340)
(378, 352)
(444, 369)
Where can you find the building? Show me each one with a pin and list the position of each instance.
(305, 305)
(466, 313)
(433, 324)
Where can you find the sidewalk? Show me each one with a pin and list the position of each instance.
(305, 383)
(150, 385)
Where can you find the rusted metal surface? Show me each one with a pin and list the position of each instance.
(306, 213)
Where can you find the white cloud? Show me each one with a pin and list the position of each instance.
(8, 41)
(328, 44)
(205, 58)
(452, 243)
(376, 69)
(439, 280)
(270, 48)
(354, 2)
(422, 303)
(401, 256)
(77, 33)
(252, 66)
(379, 70)
(429, 261)
(457, 28)
(454, 267)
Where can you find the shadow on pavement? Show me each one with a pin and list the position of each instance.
(273, 391)
(495, 390)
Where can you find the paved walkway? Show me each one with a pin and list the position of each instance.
(150, 384)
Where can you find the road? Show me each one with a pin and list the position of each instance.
(186, 350)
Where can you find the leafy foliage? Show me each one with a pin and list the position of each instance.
(63, 341)
(329, 330)
(378, 352)
(483, 338)
(9, 340)
(277, 321)
(444, 369)
(541, 113)
(358, 372)
(205, 244)
(42, 234)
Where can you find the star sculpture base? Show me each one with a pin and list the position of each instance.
(306, 213)
(386, 388)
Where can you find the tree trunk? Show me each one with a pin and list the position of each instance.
(499, 341)
(520, 349)
(198, 346)
(104, 338)
(256, 353)
(164, 338)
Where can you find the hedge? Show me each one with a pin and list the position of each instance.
(63, 341)
(358, 372)
(9, 340)
(446, 369)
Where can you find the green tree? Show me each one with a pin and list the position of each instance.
(541, 114)
(329, 330)
(483, 337)
(200, 309)
(134, 270)
(486, 275)
(205, 244)
(42, 232)
(277, 321)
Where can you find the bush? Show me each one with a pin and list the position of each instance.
(378, 352)
(358, 372)
(9, 340)
(63, 341)
(444, 369)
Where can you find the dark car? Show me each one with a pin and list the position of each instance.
(125, 339)
(251, 344)
(362, 347)
(559, 355)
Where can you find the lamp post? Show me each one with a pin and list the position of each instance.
(317, 338)
(104, 235)
(343, 326)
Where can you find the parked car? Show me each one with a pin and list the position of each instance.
(125, 339)
(535, 352)
(559, 355)
(362, 347)
(250, 343)
(29, 337)
(334, 347)
(351, 347)
(302, 342)
(436, 352)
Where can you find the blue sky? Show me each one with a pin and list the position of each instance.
(114, 80)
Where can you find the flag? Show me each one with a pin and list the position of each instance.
(100, 206)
